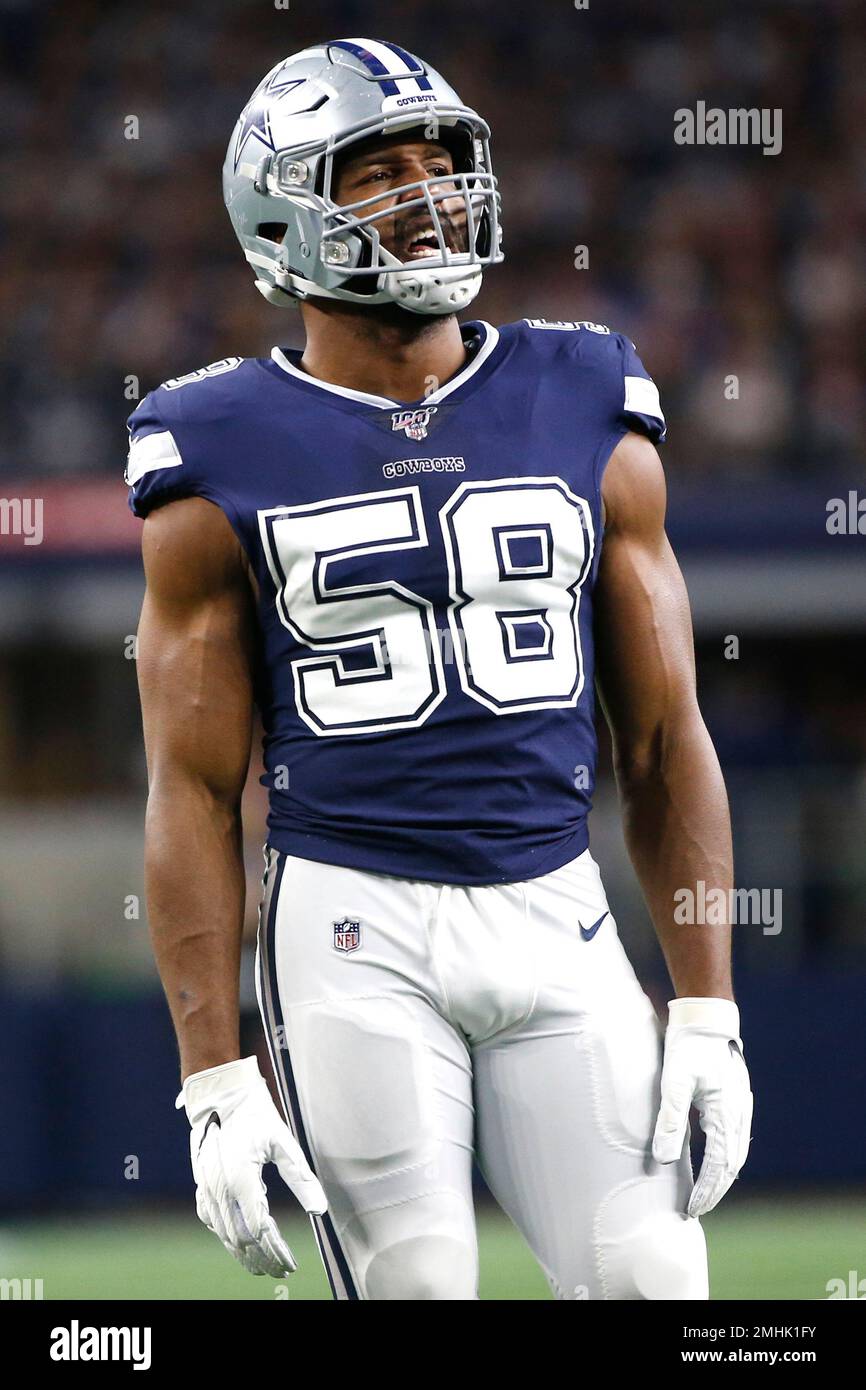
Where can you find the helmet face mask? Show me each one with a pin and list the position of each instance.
(316, 110)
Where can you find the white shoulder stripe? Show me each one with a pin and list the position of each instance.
(150, 452)
(642, 397)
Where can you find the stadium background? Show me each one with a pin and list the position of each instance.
(118, 268)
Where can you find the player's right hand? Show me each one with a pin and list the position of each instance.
(235, 1129)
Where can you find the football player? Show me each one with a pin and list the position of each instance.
(416, 545)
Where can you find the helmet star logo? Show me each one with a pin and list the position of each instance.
(255, 121)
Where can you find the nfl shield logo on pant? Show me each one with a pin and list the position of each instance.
(347, 934)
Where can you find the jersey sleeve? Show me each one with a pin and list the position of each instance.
(177, 447)
(640, 405)
(157, 469)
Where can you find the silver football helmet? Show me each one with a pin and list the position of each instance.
(279, 173)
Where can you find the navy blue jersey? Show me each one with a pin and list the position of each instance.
(426, 576)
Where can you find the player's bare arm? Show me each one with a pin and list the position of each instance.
(675, 811)
(675, 808)
(194, 670)
(195, 675)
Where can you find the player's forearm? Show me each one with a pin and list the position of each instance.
(678, 832)
(196, 894)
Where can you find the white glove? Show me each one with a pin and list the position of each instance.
(235, 1129)
(704, 1067)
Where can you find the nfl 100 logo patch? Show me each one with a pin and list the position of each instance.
(414, 423)
(347, 934)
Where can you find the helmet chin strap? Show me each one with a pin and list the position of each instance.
(274, 295)
(420, 290)
(433, 290)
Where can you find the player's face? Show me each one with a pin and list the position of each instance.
(384, 164)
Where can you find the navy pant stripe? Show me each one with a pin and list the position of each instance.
(336, 1266)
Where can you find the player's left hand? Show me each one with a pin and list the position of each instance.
(704, 1066)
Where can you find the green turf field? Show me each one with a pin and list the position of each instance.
(758, 1249)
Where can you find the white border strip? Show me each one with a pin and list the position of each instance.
(491, 338)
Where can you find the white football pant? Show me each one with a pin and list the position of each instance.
(412, 1024)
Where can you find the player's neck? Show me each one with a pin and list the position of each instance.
(382, 350)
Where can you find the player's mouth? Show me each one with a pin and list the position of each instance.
(426, 244)
(423, 243)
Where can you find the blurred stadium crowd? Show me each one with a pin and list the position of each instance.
(116, 256)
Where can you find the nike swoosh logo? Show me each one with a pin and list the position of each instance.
(589, 932)
(212, 1119)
